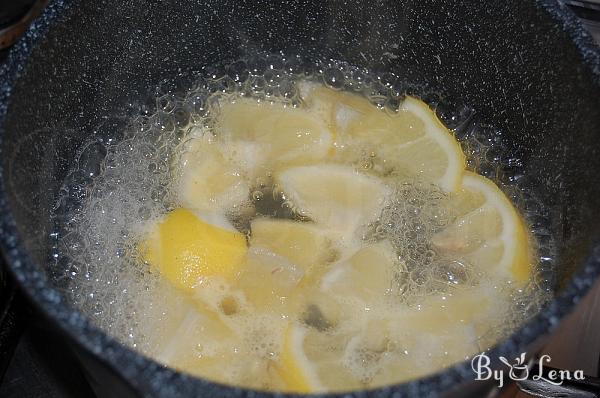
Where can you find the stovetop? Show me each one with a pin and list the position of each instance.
(42, 366)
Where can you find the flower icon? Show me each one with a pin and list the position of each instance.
(518, 371)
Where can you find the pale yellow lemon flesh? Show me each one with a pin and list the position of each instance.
(436, 155)
(413, 141)
(366, 275)
(492, 235)
(294, 367)
(302, 243)
(269, 281)
(334, 196)
(286, 135)
(209, 180)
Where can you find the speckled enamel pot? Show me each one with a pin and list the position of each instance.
(526, 66)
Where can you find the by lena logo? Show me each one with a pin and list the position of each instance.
(520, 370)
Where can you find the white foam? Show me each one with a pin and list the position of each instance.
(125, 297)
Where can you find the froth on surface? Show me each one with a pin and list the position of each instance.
(117, 188)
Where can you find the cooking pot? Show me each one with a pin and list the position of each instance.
(525, 66)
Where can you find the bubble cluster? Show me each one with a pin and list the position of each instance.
(416, 212)
(125, 177)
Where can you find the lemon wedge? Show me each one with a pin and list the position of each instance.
(285, 135)
(492, 236)
(367, 275)
(202, 345)
(434, 333)
(302, 243)
(184, 333)
(411, 142)
(336, 108)
(177, 345)
(208, 179)
(268, 280)
(335, 196)
(391, 352)
(434, 155)
(185, 248)
(310, 361)
(294, 367)
(188, 334)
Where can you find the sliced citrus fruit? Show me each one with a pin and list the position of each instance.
(426, 352)
(309, 362)
(336, 108)
(179, 343)
(200, 344)
(367, 275)
(430, 335)
(268, 280)
(412, 142)
(184, 333)
(492, 236)
(316, 297)
(302, 243)
(208, 179)
(286, 135)
(184, 248)
(376, 348)
(334, 196)
(294, 367)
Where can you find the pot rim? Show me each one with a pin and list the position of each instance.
(153, 379)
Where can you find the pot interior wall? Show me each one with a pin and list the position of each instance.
(508, 60)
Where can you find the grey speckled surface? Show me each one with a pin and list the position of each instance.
(496, 58)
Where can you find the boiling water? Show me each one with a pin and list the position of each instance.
(119, 186)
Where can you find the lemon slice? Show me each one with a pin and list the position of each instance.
(184, 333)
(335, 196)
(336, 108)
(285, 135)
(435, 155)
(208, 179)
(366, 276)
(269, 280)
(302, 243)
(492, 236)
(185, 248)
(294, 367)
(203, 346)
(411, 142)
(414, 341)
(309, 362)
(379, 348)
(177, 345)
(389, 355)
